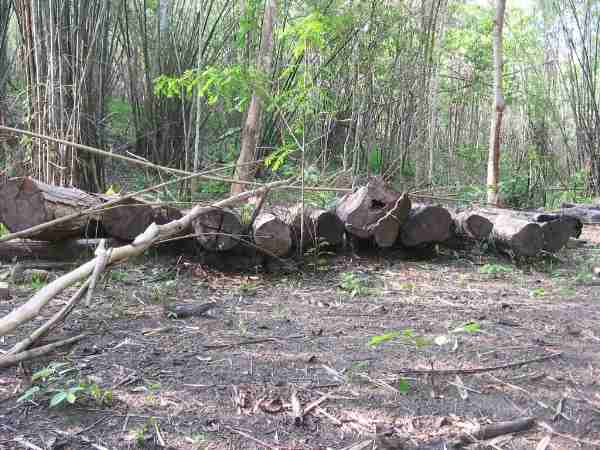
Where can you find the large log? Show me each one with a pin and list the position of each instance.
(320, 226)
(557, 228)
(361, 211)
(218, 229)
(517, 235)
(426, 224)
(586, 214)
(25, 202)
(272, 234)
(132, 216)
(68, 250)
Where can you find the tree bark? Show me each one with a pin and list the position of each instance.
(493, 171)
(472, 225)
(518, 235)
(251, 131)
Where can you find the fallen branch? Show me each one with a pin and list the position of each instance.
(11, 360)
(476, 370)
(153, 234)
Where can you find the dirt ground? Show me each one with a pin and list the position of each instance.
(274, 344)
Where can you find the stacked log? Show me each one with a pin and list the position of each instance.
(320, 227)
(25, 203)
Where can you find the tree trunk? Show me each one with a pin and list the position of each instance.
(272, 234)
(25, 203)
(320, 227)
(251, 131)
(493, 171)
(218, 229)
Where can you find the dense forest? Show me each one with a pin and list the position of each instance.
(334, 90)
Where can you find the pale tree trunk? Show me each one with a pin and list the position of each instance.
(493, 172)
(251, 131)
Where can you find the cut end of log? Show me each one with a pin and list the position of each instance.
(272, 235)
(320, 226)
(426, 224)
(218, 229)
(522, 237)
(473, 225)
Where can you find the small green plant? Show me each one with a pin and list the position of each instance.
(37, 281)
(246, 213)
(495, 270)
(53, 384)
(354, 285)
(319, 255)
(538, 292)
(213, 187)
(3, 230)
(248, 288)
(118, 275)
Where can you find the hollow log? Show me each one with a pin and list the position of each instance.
(520, 236)
(320, 226)
(426, 224)
(218, 229)
(132, 216)
(272, 234)
(359, 211)
(68, 250)
(25, 202)
(472, 225)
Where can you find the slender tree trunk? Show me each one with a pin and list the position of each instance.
(493, 173)
(251, 130)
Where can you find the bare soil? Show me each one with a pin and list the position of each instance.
(230, 379)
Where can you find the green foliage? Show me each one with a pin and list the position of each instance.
(408, 336)
(60, 384)
(354, 284)
(375, 161)
(233, 85)
(3, 230)
(37, 281)
(495, 270)
(119, 114)
(213, 187)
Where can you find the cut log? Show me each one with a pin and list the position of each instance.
(272, 234)
(320, 226)
(472, 225)
(360, 210)
(517, 235)
(68, 250)
(25, 202)
(218, 229)
(133, 215)
(557, 228)
(426, 224)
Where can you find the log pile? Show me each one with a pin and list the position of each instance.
(373, 214)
